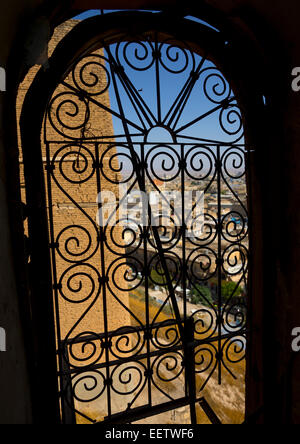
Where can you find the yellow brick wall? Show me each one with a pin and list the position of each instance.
(66, 214)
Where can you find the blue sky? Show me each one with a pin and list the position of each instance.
(171, 84)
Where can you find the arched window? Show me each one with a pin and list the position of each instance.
(140, 142)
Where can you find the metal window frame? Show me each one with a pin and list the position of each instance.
(36, 100)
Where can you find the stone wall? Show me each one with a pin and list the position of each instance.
(74, 207)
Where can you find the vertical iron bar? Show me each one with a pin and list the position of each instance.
(219, 266)
(58, 339)
(190, 375)
(157, 58)
(137, 170)
(103, 274)
(67, 399)
(184, 231)
(145, 232)
(190, 380)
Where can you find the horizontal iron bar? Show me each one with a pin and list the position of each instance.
(145, 412)
(113, 334)
(117, 333)
(237, 334)
(149, 411)
(125, 144)
(153, 354)
(136, 358)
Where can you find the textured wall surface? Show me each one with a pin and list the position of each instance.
(70, 169)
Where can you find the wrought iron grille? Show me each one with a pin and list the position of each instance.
(129, 343)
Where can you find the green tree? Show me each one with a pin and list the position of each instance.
(201, 295)
(157, 277)
(230, 290)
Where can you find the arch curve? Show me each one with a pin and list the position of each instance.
(83, 39)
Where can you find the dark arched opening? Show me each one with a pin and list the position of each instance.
(83, 40)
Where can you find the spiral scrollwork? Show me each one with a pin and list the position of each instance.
(162, 160)
(169, 229)
(69, 113)
(235, 259)
(176, 58)
(128, 378)
(117, 164)
(203, 230)
(120, 276)
(200, 163)
(76, 244)
(76, 164)
(91, 75)
(126, 233)
(85, 349)
(127, 341)
(202, 264)
(233, 162)
(159, 270)
(168, 368)
(234, 316)
(215, 86)
(137, 55)
(165, 336)
(234, 227)
(88, 386)
(231, 122)
(173, 265)
(204, 322)
(205, 358)
(79, 283)
(234, 349)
